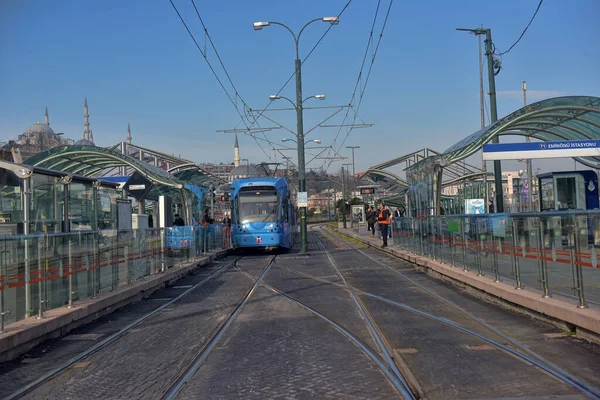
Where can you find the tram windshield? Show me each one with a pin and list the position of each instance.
(258, 205)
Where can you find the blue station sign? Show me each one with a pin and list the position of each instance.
(518, 151)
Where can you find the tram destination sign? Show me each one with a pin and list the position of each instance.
(519, 151)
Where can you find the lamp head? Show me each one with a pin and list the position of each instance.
(331, 20)
(317, 141)
(284, 139)
(320, 96)
(274, 97)
(259, 25)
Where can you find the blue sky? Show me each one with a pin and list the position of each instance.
(136, 63)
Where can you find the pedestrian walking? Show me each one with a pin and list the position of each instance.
(383, 220)
(371, 219)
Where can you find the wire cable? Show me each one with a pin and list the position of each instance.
(524, 30)
(364, 87)
(204, 54)
(237, 94)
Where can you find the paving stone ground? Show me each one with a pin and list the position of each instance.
(277, 349)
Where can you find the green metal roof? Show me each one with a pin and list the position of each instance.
(194, 174)
(556, 119)
(391, 181)
(92, 161)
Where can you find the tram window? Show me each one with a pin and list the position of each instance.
(258, 206)
(286, 210)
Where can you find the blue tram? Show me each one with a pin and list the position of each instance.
(263, 214)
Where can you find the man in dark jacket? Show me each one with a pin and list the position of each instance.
(371, 219)
(178, 221)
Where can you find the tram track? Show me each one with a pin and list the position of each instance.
(179, 383)
(394, 376)
(523, 353)
(114, 337)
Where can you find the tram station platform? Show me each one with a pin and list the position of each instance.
(343, 321)
(21, 336)
(558, 308)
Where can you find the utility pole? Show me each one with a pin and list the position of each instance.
(529, 166)
(343, 207)
(489, 52)
(481, 95)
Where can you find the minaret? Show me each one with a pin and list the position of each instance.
(86, 121)
(236, 152)
(47, 121)
(128, 133)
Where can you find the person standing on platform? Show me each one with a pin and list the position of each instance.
(371, 219)
(226, 230)
(490, 207)
(383, 220)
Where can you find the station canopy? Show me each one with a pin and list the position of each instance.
(555, 119)
(97, 162)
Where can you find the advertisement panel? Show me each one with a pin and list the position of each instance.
(475, 206)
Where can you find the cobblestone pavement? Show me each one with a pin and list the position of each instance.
(142, 363)
(49, 355)
(275, 348)
(450, 364)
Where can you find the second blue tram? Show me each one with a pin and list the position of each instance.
(263, 214)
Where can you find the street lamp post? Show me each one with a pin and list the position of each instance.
(299, 118)
(353, 148)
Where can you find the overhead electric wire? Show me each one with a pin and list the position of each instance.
(204, 55)
(524, 30)
(369, 42)
(363, 87)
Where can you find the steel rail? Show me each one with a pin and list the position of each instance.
(366, 316)
(53, 373)
(461, 310)
(180, 382)
(398, 384)
(559, 373)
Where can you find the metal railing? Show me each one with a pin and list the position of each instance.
(554, 252)
(45, 271)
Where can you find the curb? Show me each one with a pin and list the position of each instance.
(22, 336)
(587, 320)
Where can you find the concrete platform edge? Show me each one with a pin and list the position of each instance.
(587, 320)
(22, 336)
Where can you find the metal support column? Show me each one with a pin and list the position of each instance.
(26, 231)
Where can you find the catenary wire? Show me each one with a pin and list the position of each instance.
(204, 55)
(363, 88)
(524, 30)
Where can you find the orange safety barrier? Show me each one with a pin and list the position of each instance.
(509, 250)
(36, 275)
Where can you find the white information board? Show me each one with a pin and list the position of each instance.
(302, 199)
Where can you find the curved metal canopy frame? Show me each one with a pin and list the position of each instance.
(386, 176)
(559, 118)
(90, 161)
(194, 174)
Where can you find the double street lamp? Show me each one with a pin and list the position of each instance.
(300, 125)
(317, 141)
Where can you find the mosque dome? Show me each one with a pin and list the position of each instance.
(37, 129)
(245, 171)
(84, 142)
